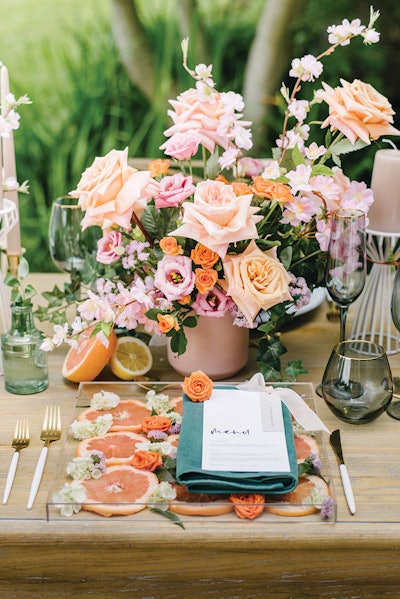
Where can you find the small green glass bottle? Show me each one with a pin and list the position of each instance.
(24, 363)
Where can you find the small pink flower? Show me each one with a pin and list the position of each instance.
(174, 190)
(174, 277)
(109, 247)
(214, 303)
(182, 145)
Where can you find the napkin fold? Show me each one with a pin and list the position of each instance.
(189, 460)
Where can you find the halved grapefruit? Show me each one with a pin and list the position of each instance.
(120, 491)
(305, 446)
(291, 504)
(127, 415)
(118, 448)
(199, 504)
(85, 361)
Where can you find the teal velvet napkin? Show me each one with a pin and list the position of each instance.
(189, 459)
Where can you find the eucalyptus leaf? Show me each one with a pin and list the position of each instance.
(169, 515)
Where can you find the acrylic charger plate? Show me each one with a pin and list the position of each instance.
(130, 390)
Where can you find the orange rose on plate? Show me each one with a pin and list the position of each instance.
(198, 386)
(156, 423)
(147, 460)
(358, 111)
(256, 280)
(248, 506)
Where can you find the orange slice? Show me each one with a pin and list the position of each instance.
(199, 504)
(118, 448)
(120, 491)
(291, 504)
(87, 360)
(305, 445)
(127, 415)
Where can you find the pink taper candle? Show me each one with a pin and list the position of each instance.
(9, 170)
(384, 214)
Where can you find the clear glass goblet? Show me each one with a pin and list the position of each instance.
(394, 408)
(346, 261)
(357, 383)
(69, 246)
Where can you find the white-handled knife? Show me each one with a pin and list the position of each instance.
(336, 444)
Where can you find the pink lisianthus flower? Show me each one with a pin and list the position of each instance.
(301, 210)
(250, 167)
(217, 217)
(174, 277)
(214, 303)
(174, 190)
(182, 146)
(110, 247)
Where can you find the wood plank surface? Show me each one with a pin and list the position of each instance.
(102, 558)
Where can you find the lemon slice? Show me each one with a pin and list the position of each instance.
(131, 358)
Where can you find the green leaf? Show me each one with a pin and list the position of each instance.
(269, 373)
(285, 256)
(169, 515)
(297, 156)
(190, 322)
(270, 350)
(321, 169)
(178, 342)
(23, 268)
(212, 166)
(345, 147)
(294, 368)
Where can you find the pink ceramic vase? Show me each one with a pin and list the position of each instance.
(216, 346)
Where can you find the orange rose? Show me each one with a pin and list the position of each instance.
(156, 423)
(203, 256)
(147, 460)
(205, 279)
(255, 280)
(170, 246)
(158, 167)
(273, 190)
(222, 178)
(166, 322)
(248, 506)
(185, 300)
(240, 188)
(358, 111)
(198, 386)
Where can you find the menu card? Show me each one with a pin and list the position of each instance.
(244, 432)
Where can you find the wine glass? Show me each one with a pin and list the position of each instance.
(346, 261)
(394, 408)
(357, 383)
(69, 245)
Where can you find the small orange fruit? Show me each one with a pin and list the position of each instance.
(85, 361)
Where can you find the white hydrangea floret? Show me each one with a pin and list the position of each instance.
(70, 498)
(163, 447)
(104, 400)
(82, 429)
(162, 494)
(82, 468)
(159, 402)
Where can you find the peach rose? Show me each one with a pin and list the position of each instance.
(170, 246)
(158, 167)
(156, 423)
(203, 256)
(167, 322)
(240, 188)
(358, 111)
(110, 190)
(217, 217)
(255, 280)
(273, 190)
(198, 386)
(248, 506)
(205, 279)
(147, 460)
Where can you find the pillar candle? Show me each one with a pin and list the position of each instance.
(9, 170)
(384, 214)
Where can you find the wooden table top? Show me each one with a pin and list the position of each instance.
(291, 559)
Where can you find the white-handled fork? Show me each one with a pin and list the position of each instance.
(51, 431)
(20, 440)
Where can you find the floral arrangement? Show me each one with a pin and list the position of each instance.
(246, 236)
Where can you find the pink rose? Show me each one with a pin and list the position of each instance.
(217, 217)
(214, 303)
(107, 247)
(182, 145)
(256, 280)
(174, 277)
(174, 190)
(358, 111)
(110, 190)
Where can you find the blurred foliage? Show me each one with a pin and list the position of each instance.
(90, 106)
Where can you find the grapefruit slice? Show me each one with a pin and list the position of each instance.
(199, 504)
(291, 504)
(87, 360)
(176, 404)
(118, 448)
(127, 415)
(120, 491)
(132, 358)
(305, 446)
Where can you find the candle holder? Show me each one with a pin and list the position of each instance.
(372, 320)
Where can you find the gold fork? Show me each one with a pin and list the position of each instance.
(20, 440)
(51, 431)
